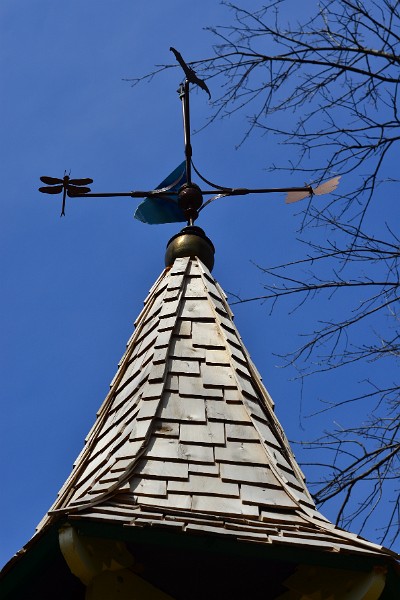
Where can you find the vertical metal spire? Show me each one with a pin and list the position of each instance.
(184, 96)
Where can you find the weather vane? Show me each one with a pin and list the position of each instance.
(177, 198)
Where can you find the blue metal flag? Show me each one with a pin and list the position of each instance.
(164, 209)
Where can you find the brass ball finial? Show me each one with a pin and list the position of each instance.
(190, 241)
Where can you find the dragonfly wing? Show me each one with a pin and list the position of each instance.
(50, 180)
(296, 196)
(327, 187)
(74, 190)
(51, 190)
(86, 181)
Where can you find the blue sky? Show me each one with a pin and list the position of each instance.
(72, 287)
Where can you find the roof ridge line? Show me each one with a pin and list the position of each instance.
(256, 377)
(128, 470)
(278, 429)
(260, 388)
(65, 491)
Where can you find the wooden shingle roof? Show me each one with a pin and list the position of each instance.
(187, 438)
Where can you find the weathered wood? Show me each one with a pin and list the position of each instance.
(207, 335)
(230, 335)
(148, 487)
(145, 344)
(148, 409)
(172, 294)
(282, 517)
(211, 433)
(164, 469)
(195, 288)
(189, 367)
(265, 432)
(233, 396)
(129, 449)
(224, 505)
(172, 383)
(152, 390)
(157, 373)
(164, 448)
(161, 523)
(223, 376)
(146, 329)
(211, 469)
(166, 428)
(246, 386)
(245, 432)
(195, 268)
(92, 467)
(200, 484)
(175, 408)
(159, 286)
(230, 413)
(196, 309)
(243, 373)
(205, 528)
(265, 496)
(196, 453)
(140, 428)
(241, 452)
(182, 348)
(182, 265)
(243, 473)
(172, 501)
(163, 339)
(304, 542)
(169, 309)
(176, 281)
(106, 441)
(183, 328)
(127, 412)
(193, 387)
(217, 357)
(128, 390)
(166, 323)
(159, 356)
(217, 302)
(121, 464)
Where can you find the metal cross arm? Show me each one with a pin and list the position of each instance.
(185, 201)
(164, 194)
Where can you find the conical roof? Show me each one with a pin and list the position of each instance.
(187, 478)
(187, 438)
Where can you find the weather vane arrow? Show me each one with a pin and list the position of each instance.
(177, 199)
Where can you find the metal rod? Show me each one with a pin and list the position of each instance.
(112, 195)
(244, 191)
(134, 194)
(184, 96)
(167, 194)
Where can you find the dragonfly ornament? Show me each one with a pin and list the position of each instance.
(65, 185)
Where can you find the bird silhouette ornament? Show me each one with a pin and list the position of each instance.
(190, 73)
(177, 198)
